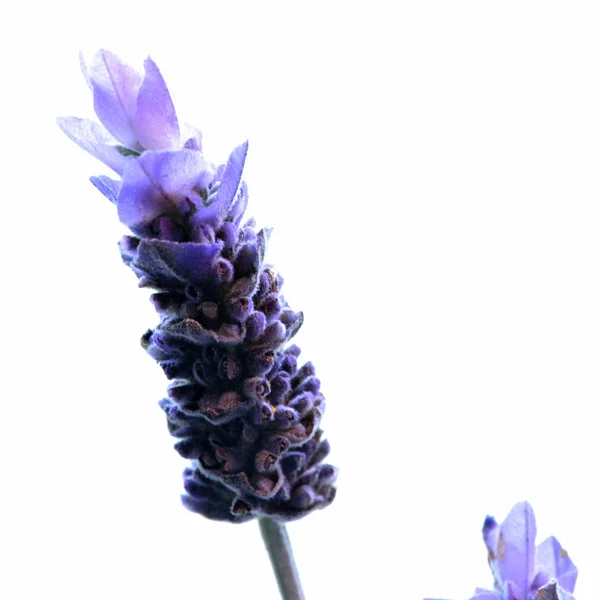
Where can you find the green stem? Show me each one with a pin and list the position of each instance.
(278, 546)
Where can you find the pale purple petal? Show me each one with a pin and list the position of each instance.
(115, 85)
(192, 136)
(216, 212)
(481, 594)
(161, 183)
(551, 559)
(84, 69)
(155, 122)
(219, 172)
(514, 559)
(513, 592)
(541, 579)
(490, 531)
(107, 186)
(232, 175)
(94, 139)
(240, 204)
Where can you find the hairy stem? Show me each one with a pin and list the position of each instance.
(278, 546)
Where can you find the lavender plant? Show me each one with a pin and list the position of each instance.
(244, 412)
(521, 570)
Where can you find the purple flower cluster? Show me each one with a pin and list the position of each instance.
(521, 570)
(243, 410)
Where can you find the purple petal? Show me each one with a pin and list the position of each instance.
(240, 204)
(175, 264)
(94, 139)
(485, 595)
(192, 136)
(490, 531)
(107, 186)
(513, 592)
(217, 211)
(155, 122)
(115, 86)
(193, 261)
(84, 69)
(514, 558)
(161, 183)
(541, 579)
(232, 174)
(555, 562)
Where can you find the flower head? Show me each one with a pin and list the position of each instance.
(244, 411)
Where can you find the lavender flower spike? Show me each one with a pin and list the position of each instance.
(244, 412)
(521, 570)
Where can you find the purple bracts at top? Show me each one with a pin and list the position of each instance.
(521, 570)
(244, 412)
(136, 111)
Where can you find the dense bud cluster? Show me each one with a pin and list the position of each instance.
(243, 409)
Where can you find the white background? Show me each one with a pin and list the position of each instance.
(431, 173)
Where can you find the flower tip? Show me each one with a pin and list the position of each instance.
(67, 125)
(84, 68)
(70, 126)
(151, 66)
(239, 153)
(522, 511)
(103, 53)
(107, 186)
(242, 150)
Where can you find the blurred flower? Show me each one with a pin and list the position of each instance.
(522, 571)
(244, 412)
